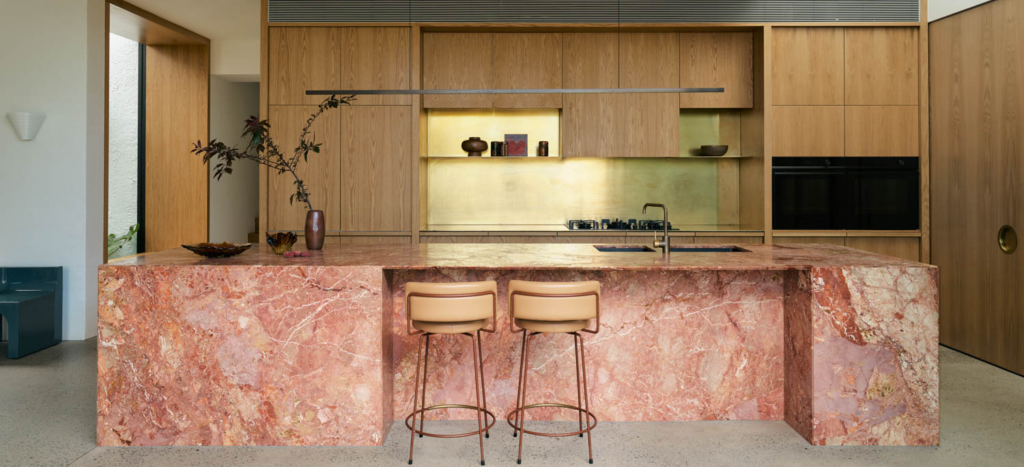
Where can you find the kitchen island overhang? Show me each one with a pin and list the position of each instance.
(263, 350)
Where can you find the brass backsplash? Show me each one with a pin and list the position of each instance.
(448, 128)
(701, 127)
(550, 191)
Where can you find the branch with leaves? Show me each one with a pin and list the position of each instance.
(263, 150)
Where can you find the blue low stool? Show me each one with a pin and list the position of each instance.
(31, 301)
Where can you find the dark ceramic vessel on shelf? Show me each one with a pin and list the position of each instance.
(281, 242)
(542, 149)
(714, 150)
(315, 230)
(474, 146)
(217, 250)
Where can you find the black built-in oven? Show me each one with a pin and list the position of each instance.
(845, 193)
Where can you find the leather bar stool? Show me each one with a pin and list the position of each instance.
(451, 309)
(554, 308)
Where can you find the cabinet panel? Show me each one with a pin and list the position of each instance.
(301, 59)
(882, 131)
(648, 124)
(593, 239)
(808, 131)
(590, 125)
(881, 66)
(368, 240)
(521, 238)
(726, 240)
(321, 172)
(840, 241)
(717, 60)
(649, 60)
(634, 239)
(376, 172)
(458, 61)
(807, 66)
(453, 238)
(527, 61)
(591, 60)
(900, 247)
(375, 58)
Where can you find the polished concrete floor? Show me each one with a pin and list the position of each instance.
(48, 411)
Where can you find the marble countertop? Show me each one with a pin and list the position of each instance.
(534, 256)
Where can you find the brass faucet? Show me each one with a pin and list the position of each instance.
(664, 244)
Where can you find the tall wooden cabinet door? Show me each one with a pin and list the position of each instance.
(808, 131)
(648, 123)
(717, 59)
(590, 60)
(376, 58)
(882, 131)
(527, 61)
(807, 66)
(321, 172)
(301, 59)
(376, 183)
(881, 66)
(457, 60)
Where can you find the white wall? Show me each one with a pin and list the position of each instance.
(938, 9)
(234, 199)
(236, 59)
(52, 188)
(123, 155)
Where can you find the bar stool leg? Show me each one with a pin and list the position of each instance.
(519, 384)
(579, 401)
(476, 391)
(415, 395)
(586, 396)
(426, 358)
(483, 384)
(521, 415)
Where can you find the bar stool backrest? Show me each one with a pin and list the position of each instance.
(450, 302)
(554, 301)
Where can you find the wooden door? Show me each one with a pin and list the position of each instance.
(881, 66)
(376, 173)
(807, 66)
(321, 172)
(301, 59)
(591, 60)
(808, 131)
(527, 61)
(722, 59)
(458, 60)
(899, 247)
(882, 130)
(375, 58)
(977, 169)
(648, 124)
(177, 115)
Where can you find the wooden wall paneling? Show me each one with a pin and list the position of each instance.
(521, 238)
(717, 59)
(787, 240)
(376, 58)
(375, 173)
(808, 131)
(418, 138)
(900, 247)
(807, 66)
(321, 172)
(458, 61)
(301, 59)
(752, 195)
(592, 239)
(264, 174)
(527, 61)
(474, 238)
(369, 240)
(589, 60)
(881, 66)
(767, 47)
(924, 129)
(177, 115)
(882, 131)
(726, 239)
(976, 168)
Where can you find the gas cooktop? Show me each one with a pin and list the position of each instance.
(617, 224)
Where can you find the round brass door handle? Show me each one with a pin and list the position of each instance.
(1007, 239)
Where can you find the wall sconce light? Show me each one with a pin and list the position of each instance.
(26, 124)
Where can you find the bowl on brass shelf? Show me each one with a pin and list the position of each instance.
(713, 150)
(474, 146)
(281, 242)
(217, 250)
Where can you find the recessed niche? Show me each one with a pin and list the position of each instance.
(709, 127)
(448, 128)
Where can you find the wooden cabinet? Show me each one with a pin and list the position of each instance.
(375, 58)
(522, 238)
(808, 131)
(454, 238)
(728, 240)
(787, 240)
(527, 61)
(649, 60)
(368, 240)
(590, 60)
(724, 60)
(458, 61)
(592, 239)
(900, 247)
(635, 238)
(882, 131)
(590, 125)
(301, 59)
(321, 172)
(881, 66)
(376, 168)
(807, 66)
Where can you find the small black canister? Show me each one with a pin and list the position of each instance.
(497, 148)
(542, 149)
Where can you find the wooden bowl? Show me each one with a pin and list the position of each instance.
(217, 250)
(718, 150)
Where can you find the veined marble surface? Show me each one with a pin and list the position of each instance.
(264, 350)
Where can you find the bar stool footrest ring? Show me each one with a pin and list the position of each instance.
(420, 412)
(513, 415)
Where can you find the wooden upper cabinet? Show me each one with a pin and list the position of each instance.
(808, 131)
(882, 131)
(375, 58)
(321, 172)
(807, 66)
(376, 170)
(881, 66)
(649, 60)
(301, 59)
(457, 60)
(591, 60)
(723, 60)
(527, 61)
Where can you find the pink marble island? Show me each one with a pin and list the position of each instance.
(264, 350)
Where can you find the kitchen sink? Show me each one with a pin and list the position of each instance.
(675, 249)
